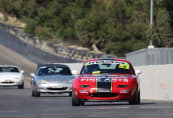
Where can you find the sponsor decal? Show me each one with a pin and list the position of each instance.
(124, 91)
(87, 79)
(105, 62)
(83, 91)
(124, 66)
(96, 72)
(106, 79)
(120, 80)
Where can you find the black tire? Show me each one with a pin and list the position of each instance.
(37, 94)
(70, 94)
(21, 86)
(75, 101)
(136, 99)
(82, 103)
(33, 93)
(139, 98)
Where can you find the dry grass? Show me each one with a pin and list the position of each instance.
(11, 20)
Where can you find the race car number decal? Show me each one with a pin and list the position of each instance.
(124, 66)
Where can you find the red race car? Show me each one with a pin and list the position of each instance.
(106, 79)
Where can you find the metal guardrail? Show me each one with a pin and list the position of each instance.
(155, 56)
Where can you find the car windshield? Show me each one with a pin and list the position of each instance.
(54, 70)
(106, 67)
(9, 69)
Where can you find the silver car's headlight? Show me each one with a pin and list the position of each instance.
(42, 81)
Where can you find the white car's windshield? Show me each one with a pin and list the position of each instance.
(9, 69)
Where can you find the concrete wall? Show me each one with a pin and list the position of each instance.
(157, 82)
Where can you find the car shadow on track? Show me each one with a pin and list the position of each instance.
(13, 88)
(118, 104)
(58, 96)
(8, 88)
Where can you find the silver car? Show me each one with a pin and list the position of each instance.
(53, 79)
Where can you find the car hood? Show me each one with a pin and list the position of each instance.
(9, 76)
(57, 78)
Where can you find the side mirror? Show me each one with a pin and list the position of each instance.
(138, 72)
(75, 72)
(22, 71)
(32, 75)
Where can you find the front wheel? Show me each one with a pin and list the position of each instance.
(76, 101)
(70, 94)
(35, 93)
(21, 86)
(136, 99)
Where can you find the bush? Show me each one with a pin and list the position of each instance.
(114, 26)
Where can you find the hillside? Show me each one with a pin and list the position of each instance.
(114, 26)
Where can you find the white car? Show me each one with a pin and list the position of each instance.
(11, 76)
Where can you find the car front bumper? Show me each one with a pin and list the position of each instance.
(118, 94)
(54, 88)
(11, 83)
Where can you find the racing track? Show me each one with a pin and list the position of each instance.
(16, 103)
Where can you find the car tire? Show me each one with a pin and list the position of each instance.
(139, 98)
(21, 86)
(70, 94)
(82, 103)
(35, 93)
(136, 99)
(75, 101)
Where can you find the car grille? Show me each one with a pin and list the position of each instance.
(8, 82)
(104, 95)
(64, 88)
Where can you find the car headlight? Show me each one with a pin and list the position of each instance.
(42, 81)
(17, 79)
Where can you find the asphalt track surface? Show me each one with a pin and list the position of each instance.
(15, 103)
